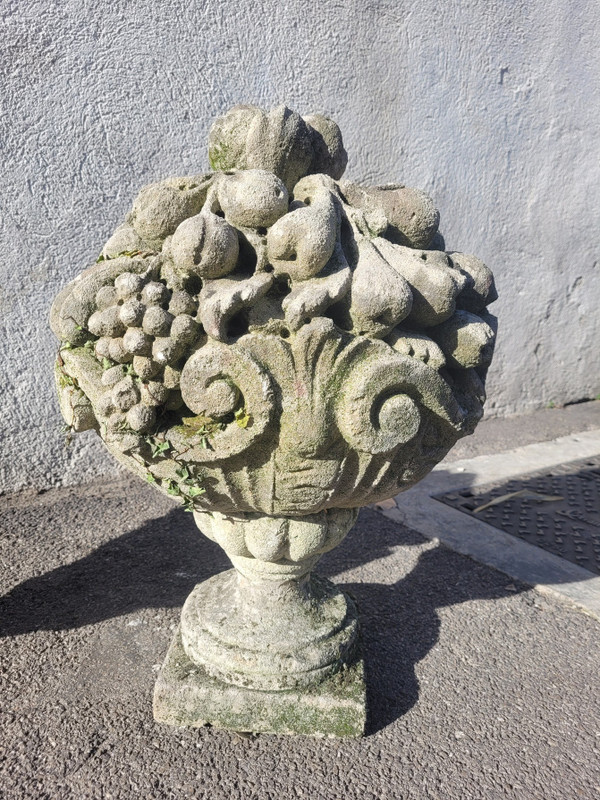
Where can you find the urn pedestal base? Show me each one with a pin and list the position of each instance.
(269, 635)
(186, 696)
(267, 646)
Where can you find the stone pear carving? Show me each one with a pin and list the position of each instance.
(275, 348)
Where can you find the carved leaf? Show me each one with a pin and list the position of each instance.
(220, 300)
(311, 298)
(380, 297)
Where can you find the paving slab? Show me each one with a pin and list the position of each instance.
(478, 686)
(497, 434)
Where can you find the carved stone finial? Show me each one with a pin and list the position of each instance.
(276, 348)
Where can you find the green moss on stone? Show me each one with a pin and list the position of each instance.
(186, 696)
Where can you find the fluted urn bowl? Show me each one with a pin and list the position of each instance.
(275, 347)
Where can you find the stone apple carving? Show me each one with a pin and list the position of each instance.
(275, 347)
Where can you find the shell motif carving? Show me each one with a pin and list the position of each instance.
(269, 338)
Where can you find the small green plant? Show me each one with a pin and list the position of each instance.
(173, 488)
(192, 491)
(242, 417)
(122, 254)
(65, 380)
(159, 448)
(190, 484)
(124, 427)
(186, 488)
(183, 473)
(67, 431)
(204, 427)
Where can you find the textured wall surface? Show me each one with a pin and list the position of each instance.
(487, 106)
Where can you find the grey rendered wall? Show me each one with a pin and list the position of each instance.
(490, 106)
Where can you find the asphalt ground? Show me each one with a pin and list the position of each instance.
(478, 686)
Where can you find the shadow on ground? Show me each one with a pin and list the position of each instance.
(158, 564)
(399, 619)
(154, 566)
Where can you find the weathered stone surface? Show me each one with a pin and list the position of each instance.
(75, 407)
(417, 345)
(301, 243)
(466, 340)
(286, 541)
(412, 217)
(161, 207)
(205, 245)
(186, 696)
(480, 290)
(252, 198)
(329, 155)
(380, 297)
(275, 349)
(269, 631)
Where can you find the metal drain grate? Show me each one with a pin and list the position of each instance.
(527, 507)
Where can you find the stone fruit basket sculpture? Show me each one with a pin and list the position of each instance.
(275, 347)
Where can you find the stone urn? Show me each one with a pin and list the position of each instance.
(274, 347)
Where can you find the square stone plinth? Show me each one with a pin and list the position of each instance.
(186, 696)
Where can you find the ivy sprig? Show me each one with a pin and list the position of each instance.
(160, 448)
(242, 417)
(123, 253)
